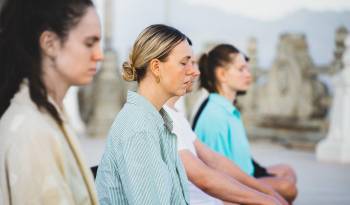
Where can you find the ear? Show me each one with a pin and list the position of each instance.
(221, 75)
(49, 43)
(154, 66)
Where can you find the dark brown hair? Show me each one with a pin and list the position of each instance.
(220, 55)
(21, 24)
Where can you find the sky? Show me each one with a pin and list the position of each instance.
(130, 17)
(269, 10)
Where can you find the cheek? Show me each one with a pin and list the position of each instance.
(175, 76)
(180, 78)
(235, 77)
(68, 64)
(74, 67)
(75, 58)
(236, 80)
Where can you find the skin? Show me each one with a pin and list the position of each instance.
(71, 61)
(222, 179)
(234, 77)
(171, 102)
(218, 176)
(175, 75)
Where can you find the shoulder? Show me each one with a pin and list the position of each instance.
(132, 125)
(21, 119)
(213, 116)
(24, 127)
(131, 120)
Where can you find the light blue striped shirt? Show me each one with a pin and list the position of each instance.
(221, 128)
(140, 164)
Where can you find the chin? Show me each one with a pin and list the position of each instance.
(188, 90)
(245, 88)
(242, 90)
(82, 82)
(181, 93)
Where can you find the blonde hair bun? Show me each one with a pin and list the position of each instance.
(129, 71)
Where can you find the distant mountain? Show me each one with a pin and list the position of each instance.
(205, 24)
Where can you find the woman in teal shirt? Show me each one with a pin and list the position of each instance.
(140, 164)
(224, 73)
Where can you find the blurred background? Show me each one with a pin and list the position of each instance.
(297, 110)
(296, 49)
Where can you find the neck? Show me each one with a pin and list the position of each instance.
(153, 93)
(227, 93)
(172, 101)
(56, 91)
(55, 86)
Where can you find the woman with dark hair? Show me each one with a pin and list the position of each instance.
(225, 73)
(45, 47)
(140, 164)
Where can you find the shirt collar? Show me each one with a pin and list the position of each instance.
(168, 122)
(161, 118)
(224, 102)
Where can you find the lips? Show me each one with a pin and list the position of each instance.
(92, 70)
(187, 83)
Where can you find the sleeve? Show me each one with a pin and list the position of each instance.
(185, 135)
(34, 173)
(143, 173)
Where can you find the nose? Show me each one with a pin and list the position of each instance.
(98, 54)
(196, 72)
(193, 70)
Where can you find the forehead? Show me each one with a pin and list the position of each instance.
(183, 49)
(239, 59)
(89, 24)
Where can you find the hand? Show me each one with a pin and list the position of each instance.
(278, 197)
(275, 195)
(271, 201)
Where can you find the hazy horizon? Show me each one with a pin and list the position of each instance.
(270, 10)
(205, 23)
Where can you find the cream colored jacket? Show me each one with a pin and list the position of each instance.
(39, 163)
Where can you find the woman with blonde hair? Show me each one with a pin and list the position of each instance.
(45, 47)
(140, 164)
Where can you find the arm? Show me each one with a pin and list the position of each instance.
(219, 184)
(221, 163)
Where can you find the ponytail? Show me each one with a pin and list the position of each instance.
(208, 63)
(207, 75)
(10, 51)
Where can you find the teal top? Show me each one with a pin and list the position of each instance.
(221, 128)
(140, 164)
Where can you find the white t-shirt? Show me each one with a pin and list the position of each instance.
(185, 140)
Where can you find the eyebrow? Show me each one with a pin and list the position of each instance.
(186, 57)
(94, 38)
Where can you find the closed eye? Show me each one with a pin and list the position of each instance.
(89, 45)
(90, 42)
